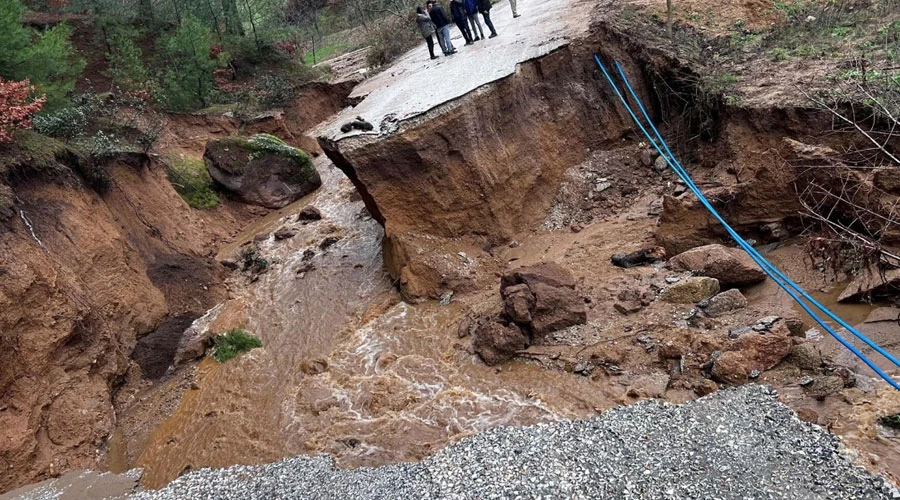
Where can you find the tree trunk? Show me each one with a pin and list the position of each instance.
(232, 18)
(669, 17)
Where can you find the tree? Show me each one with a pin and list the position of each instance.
(188, 82)
(46, 58)
(17, 107)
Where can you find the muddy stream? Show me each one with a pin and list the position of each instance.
(346, 369)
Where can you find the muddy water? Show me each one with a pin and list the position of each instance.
(346, 368)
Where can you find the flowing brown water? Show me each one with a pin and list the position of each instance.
(346, 369)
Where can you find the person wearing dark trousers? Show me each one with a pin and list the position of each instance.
(472, 16)
(426, 27)
(442, 26)
(458, 13)
(484, 6)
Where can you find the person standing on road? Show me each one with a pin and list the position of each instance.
(426, 27)
(484, 6)
(512, 5)
(458, 13)
(442, 25)
(472, 16)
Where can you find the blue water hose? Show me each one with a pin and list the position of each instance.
(780, 279)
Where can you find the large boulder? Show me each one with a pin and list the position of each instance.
(752, 352)
(542, 299)
(261, 169)
(496, 342)
(731, 266)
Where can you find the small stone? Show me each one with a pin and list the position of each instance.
(737, 332)
(808, 415)
(806, 380)
(284, 233)
(309, 213)
(672, 279)
(660, 165)
(805, 356)
(754, 374)
(329, 241)
(691, 290)
(576, 228)
(446, 297)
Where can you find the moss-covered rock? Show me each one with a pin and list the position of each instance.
(261, 169)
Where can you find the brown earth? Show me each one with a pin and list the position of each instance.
(100, 292)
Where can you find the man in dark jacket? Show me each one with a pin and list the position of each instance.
(458, 13)
(442, 25)
(484, 6)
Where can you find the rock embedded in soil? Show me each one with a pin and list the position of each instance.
(496, 342)
(725, 303)
(284, 234)
(542, 299)
(690, 291)
(261, 170)
(731, 266)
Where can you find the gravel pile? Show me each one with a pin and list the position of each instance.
(739, 443)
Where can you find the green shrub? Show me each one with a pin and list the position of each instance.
(253, 261)
(892, 421)
(192, 182)
(67, 123)
(392, 37)
(274, 91)
(234, 342)
(126, 66)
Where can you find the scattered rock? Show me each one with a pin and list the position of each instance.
(706, 386)
(358, 124)
(725, 302)
(871, 284)
(730, 367)
(309, 213)
(639, 257)
(656, 207)
(576, 228)
(690, 291)
(261, 169)
(496, 342)
(284, 234)
(556, 304)
(652, 385)
(660, 165)
(648, 156)
(446, 298)
(329, 241)
(806, 380)
(732, 267)
(229, 264)
(628, 307)
(795, 326)
(518, 302)
(806, 356)
(259, 238)
(822, 387)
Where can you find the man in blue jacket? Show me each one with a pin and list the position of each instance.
(472, 15)
(442, 25)
(484, 6)
(458, 13)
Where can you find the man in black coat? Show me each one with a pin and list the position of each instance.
(442, 25)
(458, 12)
(484, 6)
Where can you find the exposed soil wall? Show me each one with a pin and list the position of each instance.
(98, 275)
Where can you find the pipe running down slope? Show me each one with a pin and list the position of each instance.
(785, 283)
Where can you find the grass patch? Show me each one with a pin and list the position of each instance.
(892, 421)
(192, 182)
(236, 341)
(253, 261)
(325, 52)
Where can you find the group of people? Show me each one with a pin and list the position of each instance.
(433, 21)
